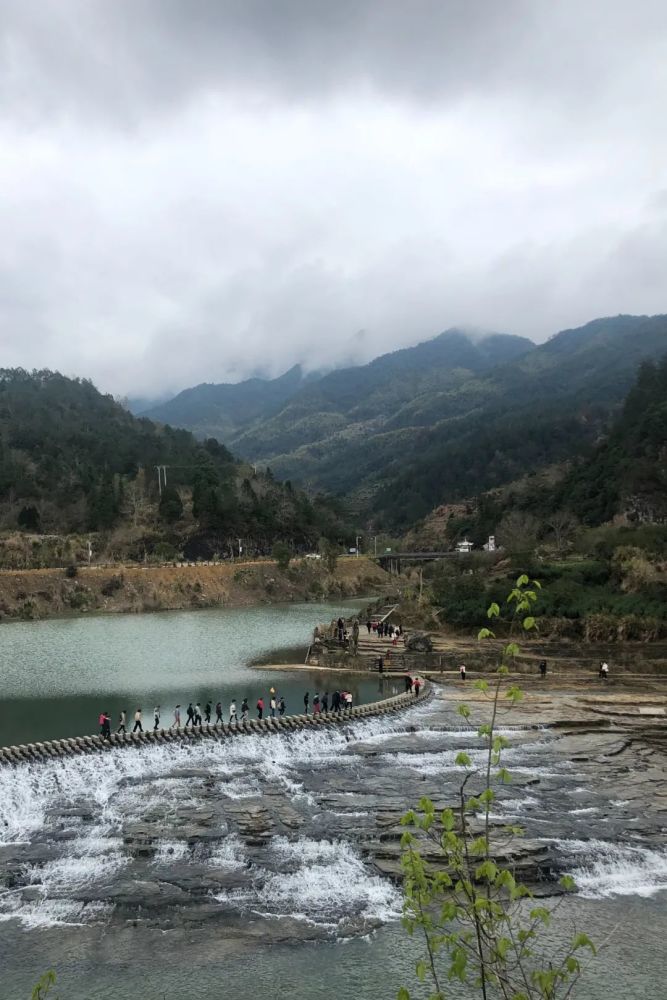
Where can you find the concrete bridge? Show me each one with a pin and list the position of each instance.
(74, 746)
(392, 561)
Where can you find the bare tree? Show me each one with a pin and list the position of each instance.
(518, 531)
(563, 526)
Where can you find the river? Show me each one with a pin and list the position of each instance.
(260, 866)
(59, 674)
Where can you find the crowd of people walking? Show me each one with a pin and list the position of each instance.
(337, 701)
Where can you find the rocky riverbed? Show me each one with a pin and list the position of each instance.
(296, 838)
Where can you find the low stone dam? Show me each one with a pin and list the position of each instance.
(150, 737)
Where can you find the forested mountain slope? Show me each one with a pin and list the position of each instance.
(225, 410)
(73, 460)
(548, 407)
(626, 473)
(358, 402)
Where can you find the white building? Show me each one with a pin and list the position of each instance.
(490, 546)
(464, 547)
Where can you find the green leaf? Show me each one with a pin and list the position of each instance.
(481, 685)
(522, 580)
(511, 649)
(504, 776)
(572, 965)
(463, 760)
(493, 611)
(402, 994)
(463, 711)
(485, 633)
(487, 870)
(529, 622)
(583, 941)
(567, 882)
(447, 819)
(421, 969)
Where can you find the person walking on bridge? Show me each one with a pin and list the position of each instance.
(218, 712)
(260, 708)
(325, 701)
(106, 727)
(198, 714)
(273, 705)
(543, 669)
(190, 712)
(137, 722)
(122, 722)
(462, 671)
(176, 724)
(156, 718)
(245, 710)
(207, 712)
(306, 702)
(416, 686)
(281, 706)
(232, 711)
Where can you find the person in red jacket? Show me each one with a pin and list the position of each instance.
(260, 708)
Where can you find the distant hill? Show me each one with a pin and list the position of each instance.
(448, 419)
(225, 410)
(73, 460)
(359, 402)
(549, 406)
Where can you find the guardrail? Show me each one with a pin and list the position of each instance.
(76, 745)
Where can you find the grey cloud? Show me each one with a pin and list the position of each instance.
(202, 190)
(119, 58)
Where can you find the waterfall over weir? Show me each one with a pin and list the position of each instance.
(295, 836)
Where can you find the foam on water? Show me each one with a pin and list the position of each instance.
(603, 869)
(319, 881)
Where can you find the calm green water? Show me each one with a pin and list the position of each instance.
(58, 675)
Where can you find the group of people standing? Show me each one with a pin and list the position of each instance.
(196, 716)
(385, 629)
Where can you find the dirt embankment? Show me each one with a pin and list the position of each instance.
(33, 594)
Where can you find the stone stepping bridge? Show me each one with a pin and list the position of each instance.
(76, 745)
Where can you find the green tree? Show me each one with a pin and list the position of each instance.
(171, 505)
(282, 555)
(478, 924)
(28, 519)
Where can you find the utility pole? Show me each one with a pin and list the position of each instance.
(357, 546)
(90, 551)
(161, 475)
(375, 545)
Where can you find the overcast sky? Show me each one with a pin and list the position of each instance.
(198, 190)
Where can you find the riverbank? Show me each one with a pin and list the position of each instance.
(564, 658)
(27, 595)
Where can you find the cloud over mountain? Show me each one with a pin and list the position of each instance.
(203, 190)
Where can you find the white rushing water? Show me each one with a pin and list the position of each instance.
(87, 801)
(602, 869)
(74, 814)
